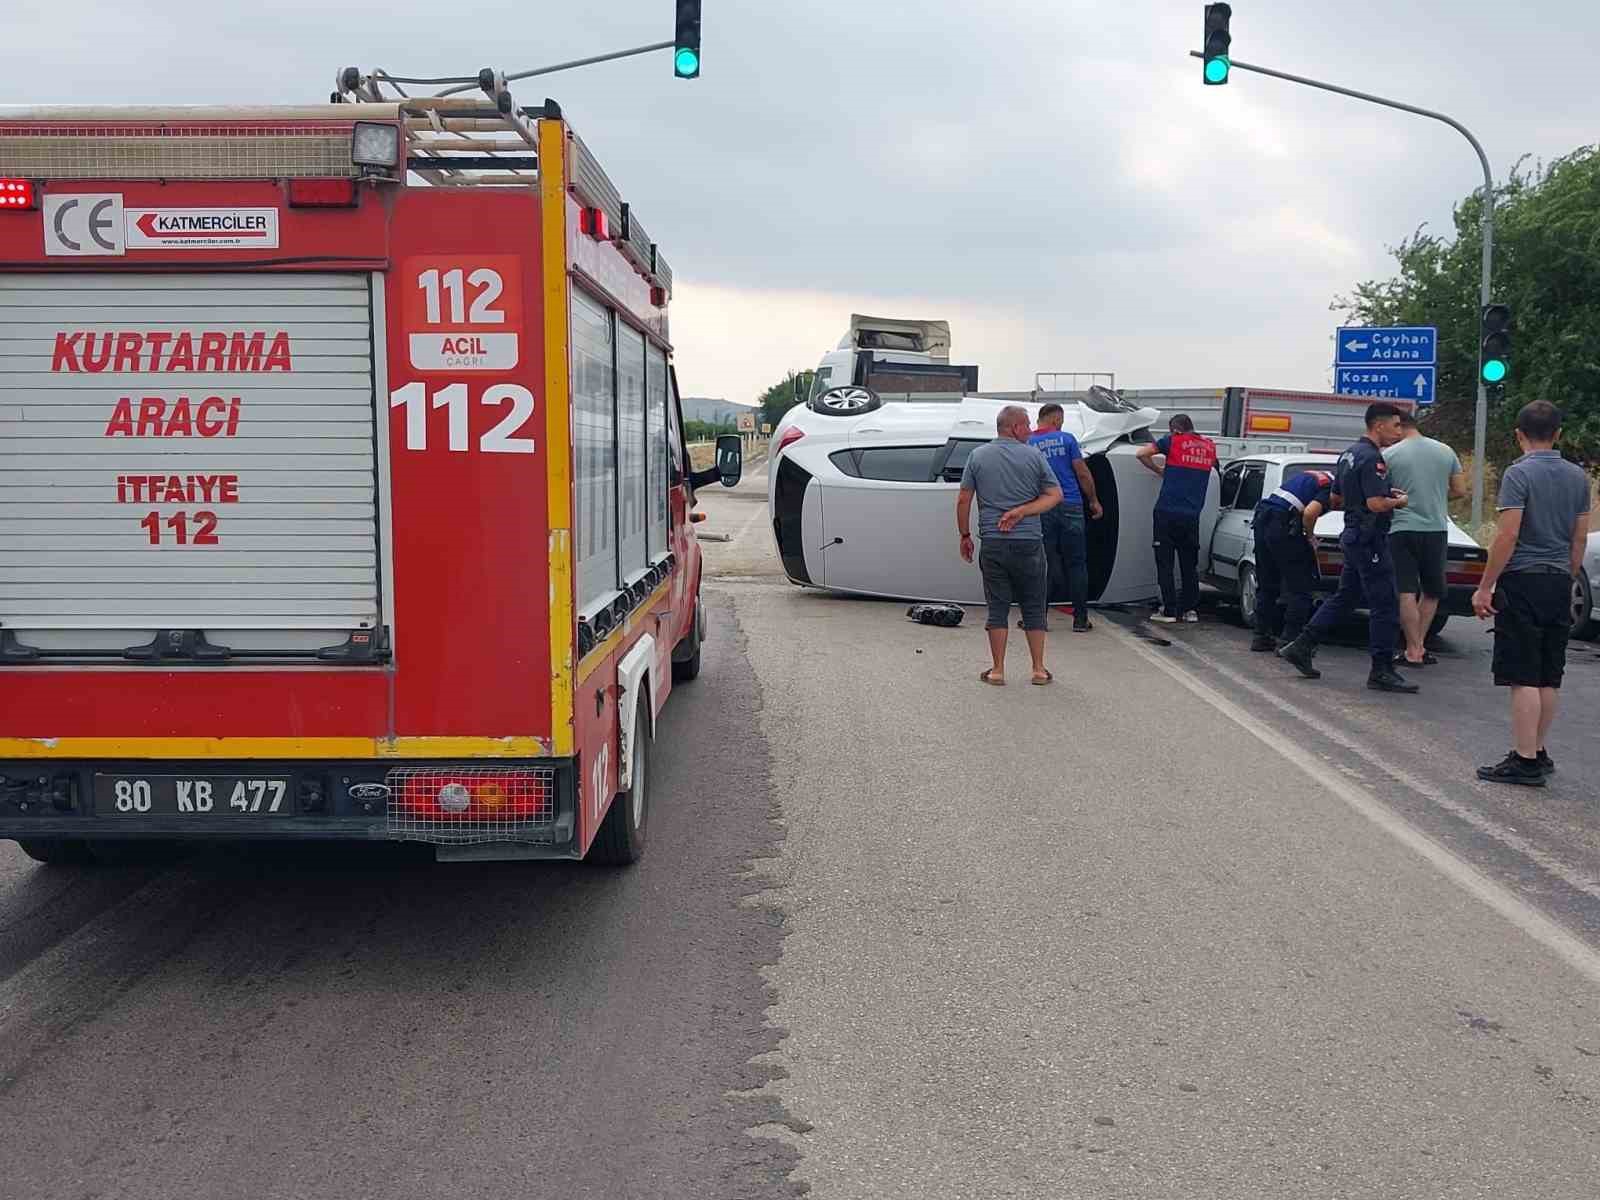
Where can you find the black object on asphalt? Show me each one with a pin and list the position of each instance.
(947, 615)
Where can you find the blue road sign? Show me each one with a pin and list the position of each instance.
(1414, 344)
(1387, 383)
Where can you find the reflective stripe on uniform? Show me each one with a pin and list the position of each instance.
(1289, 498)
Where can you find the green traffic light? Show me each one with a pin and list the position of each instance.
(1494, 370)
(1216, 70)
(686, 62)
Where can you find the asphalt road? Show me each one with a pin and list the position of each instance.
(285, 1025)
(1179, 925)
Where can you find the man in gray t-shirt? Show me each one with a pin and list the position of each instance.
(1012, 484)
(1527, 587)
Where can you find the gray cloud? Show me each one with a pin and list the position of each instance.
(1059, 162)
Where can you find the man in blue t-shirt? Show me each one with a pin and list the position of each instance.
(1188, 459)
(1066, 541)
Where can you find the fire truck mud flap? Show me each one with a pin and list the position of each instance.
(633, 673)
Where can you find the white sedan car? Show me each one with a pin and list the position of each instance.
(1232, 566)
(862, 494)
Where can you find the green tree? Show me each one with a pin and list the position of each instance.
(1546, 267)
(705, 431)
(782, 396)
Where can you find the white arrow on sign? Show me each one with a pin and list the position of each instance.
(1420, 383)
(1352, 344)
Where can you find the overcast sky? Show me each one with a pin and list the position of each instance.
(1048, 175)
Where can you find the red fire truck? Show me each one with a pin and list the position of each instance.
(343, 484)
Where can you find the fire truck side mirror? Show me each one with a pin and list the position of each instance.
(730, 458)
(729, 467)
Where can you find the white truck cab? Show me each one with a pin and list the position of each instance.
(897, 359)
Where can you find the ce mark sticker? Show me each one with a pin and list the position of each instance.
(83, 224)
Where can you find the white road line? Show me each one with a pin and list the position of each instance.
(759, 514)
(1571, 949)
(1483, 824)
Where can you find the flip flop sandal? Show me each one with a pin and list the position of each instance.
(1048, 678)
(984, 678)
(1428, 660)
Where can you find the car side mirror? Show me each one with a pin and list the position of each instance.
(729, 467)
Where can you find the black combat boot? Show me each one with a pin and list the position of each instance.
(1299, 654)
(1384, 678)
(1263, 642)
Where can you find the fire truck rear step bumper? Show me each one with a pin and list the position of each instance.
(467, 811)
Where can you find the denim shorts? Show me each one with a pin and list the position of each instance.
(1014, 572)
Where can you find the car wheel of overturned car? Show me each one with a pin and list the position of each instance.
(1583, 623)
(846, 402)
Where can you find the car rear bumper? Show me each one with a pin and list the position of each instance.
(322, 800)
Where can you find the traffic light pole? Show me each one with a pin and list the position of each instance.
(466, 85)
(1480, 426)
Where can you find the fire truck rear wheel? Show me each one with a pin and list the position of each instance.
(621, 838)
(57, 852)
(688, 667)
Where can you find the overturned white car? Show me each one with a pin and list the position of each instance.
(862, 493)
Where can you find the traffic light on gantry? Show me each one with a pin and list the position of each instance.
(686, 41)
(1495, 359)
(1217, 41)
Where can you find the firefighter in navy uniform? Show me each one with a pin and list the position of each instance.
(1286, 556)
(1362, 482)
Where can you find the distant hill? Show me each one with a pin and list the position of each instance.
(714, 412)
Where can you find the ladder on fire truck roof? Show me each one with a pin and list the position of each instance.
(487, 140)
(454, 140)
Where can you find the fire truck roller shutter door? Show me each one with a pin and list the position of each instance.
(656, 406)
(632, 445)
(594, 419)
(188, 452)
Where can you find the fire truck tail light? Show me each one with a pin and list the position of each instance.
(423, 797)
(790, 436)
(322, 193)
(17, 194)
(454, 798)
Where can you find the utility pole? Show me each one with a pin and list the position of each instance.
(1480, 425)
